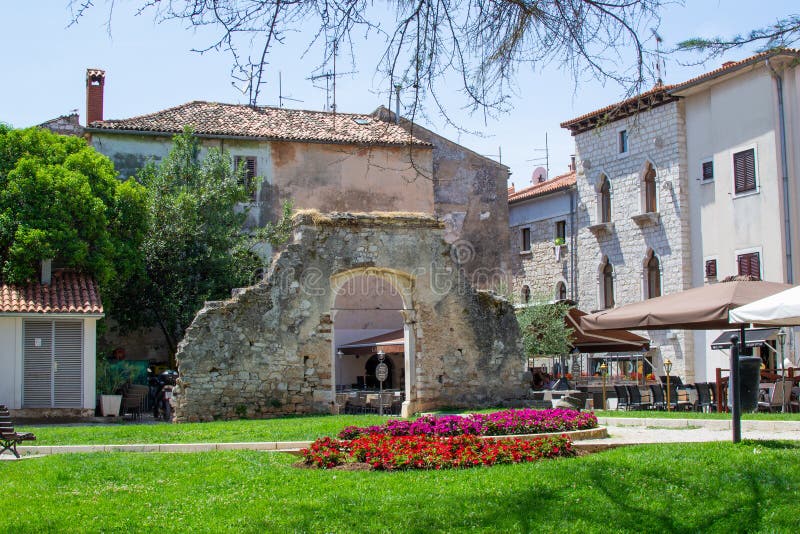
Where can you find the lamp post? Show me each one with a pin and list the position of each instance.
(603, 370)
(667, 369)
(782, 340)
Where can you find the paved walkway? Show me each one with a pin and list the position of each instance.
(621, 431)
(634, 431)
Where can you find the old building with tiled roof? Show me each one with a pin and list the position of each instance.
(685, 184)
(48, 344)
(331, 162)
(541, 219)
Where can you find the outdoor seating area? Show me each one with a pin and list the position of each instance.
(388, 402)
(682, 397)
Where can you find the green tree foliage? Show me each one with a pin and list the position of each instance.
(544, 331)
(195, 249)
(61, 199)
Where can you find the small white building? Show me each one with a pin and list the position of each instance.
(542, 218)
(47, 346)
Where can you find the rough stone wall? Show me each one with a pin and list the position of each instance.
(658, 136)
(268, 350)
(540, 269)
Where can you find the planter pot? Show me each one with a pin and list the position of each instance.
(109, 405)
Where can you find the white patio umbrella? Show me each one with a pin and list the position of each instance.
(779, 309)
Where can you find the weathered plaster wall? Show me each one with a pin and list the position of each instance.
(471, 198)
(346, 178)
(657, 136)
(268, 350)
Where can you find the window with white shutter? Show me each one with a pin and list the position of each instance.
(52, 364)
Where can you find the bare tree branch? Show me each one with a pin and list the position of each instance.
(475, 46)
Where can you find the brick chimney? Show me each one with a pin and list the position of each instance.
(95, 81)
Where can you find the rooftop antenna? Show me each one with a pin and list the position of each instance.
(543, 159)
(281, 98)
(659, 59)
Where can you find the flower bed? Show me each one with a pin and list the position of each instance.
(387, 452)
(502, 423)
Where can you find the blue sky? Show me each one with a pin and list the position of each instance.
(151, 67)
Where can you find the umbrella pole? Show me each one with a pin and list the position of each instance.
(736, 406)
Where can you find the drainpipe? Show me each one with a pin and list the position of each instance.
(787, 222)
(573, 281)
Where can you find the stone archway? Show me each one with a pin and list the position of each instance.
(270, 349)
(370, 307)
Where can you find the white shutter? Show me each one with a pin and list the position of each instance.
(37, 383)
(68, 368)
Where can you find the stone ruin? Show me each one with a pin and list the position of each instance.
(272, 349)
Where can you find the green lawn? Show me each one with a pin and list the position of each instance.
(279, 429)
(708, 487)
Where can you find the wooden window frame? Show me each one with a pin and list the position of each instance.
(560, 230)
(604, 199)
(607, 281)
(623, 141)
(250, 174)
(737, 192)
(711, 268)
(703, 163)
(525, 233)
(744, 258)
(652, 277)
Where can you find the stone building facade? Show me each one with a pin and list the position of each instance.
(270, 349)
(541, 220)
(632, 212)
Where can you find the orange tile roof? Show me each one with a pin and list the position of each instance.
(659, 95)
(558, 183)
(263, 122)
(68, 292)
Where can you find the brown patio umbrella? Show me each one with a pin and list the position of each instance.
(700, 308)
(605, 341)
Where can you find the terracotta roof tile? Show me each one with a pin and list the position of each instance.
(68, 292)
(558, 183)
(659, 95)
(213, 118)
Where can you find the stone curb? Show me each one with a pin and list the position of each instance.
(292, 447)
(710, 424)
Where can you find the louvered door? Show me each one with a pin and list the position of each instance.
(38, 364)
(67, 364)
(53, 364)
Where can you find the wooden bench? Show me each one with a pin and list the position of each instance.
(8, 436)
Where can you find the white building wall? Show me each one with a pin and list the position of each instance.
(724, 117)
(9, 362)
(89, 363)
(656, 136)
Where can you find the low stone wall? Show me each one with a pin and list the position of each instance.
(268, 351)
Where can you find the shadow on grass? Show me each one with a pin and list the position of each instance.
(772, 444)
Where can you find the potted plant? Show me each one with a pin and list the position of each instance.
(109, 381)
(559, 241)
